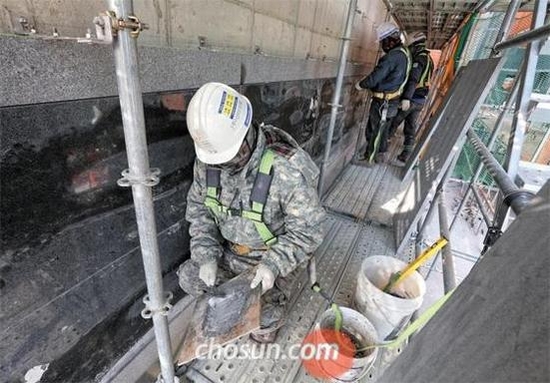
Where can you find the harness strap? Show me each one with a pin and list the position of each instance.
(259, 194)
(409, 66)
(427, 73)
(258, 197)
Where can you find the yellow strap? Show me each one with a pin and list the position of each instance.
(398, 277)
(414, 326)
(386, 96)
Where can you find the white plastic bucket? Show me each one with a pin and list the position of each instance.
(364, 333)
(386, 311)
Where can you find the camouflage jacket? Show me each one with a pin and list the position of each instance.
(293, 211)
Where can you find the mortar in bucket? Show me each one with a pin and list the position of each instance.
(387, 311)
(361, 334)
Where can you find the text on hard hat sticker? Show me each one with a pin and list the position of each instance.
(227, 105)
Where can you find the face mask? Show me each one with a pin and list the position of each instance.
(390, 42)
(242, 157)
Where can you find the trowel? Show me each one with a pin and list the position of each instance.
(222, 315)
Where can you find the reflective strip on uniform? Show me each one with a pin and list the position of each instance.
(424, 81)
(409, 66)
(259, 193)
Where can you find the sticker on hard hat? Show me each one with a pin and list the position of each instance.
(227, 105)
(235, 105)
(248, 115)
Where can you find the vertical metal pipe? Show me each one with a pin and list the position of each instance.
(338, 90)
(541, 145)
(519, 124)
(482, 209)
(131, 105)
(437, 202)
(449, 278)
(507, 22)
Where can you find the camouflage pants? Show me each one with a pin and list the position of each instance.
(274, 301)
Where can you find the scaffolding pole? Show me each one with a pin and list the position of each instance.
(337, 91)
(517, 199)
(519, 124)
(492, 139)
(449, 278)
(139, 176)
(507, 22)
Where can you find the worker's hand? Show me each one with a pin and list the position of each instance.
(265, 276)
(207, 273)
(405, 105)
(358, 86)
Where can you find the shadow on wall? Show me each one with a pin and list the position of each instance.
(70, 266)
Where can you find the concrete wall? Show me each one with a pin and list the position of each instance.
(284, 28)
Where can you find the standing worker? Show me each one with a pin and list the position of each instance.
(415, 93)
(386, 82)
(253, 203)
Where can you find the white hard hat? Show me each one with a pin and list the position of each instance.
(218, 118)
(416, 37)
(386, 29)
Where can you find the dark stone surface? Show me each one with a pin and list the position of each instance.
(71, 275)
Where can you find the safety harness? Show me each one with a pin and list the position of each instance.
(424, 80)
(391, 95)
(258, 197)
(385, 106)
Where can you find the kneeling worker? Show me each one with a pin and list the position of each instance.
(253, 203)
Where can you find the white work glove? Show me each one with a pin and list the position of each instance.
(265, 276)
(405, 105)
(207, 273)
(357, 86)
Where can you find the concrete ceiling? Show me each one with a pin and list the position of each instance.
(440, 19)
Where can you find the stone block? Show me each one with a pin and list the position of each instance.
(273, 36)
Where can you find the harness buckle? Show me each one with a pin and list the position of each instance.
(234, 212)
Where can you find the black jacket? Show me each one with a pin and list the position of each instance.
(421, 59)
(389, 74)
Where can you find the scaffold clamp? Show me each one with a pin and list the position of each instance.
(148, 311)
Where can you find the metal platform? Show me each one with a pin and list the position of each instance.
(338, 259)
(368, 193)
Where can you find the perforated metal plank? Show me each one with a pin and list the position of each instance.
(217, 370)
(459, 111)
(334, 196)
(332, 257)
(353, 193)
(373, 240)
(352, 190)
(387, 198)
(310, 305)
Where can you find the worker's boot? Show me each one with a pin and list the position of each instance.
(273, 314)
(363, 157)
(381, 158)
(271, 320)
(263, 336)
(404, 156)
